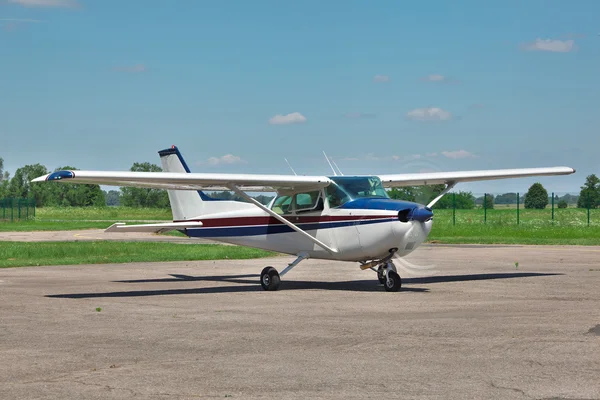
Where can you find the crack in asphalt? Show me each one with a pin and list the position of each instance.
(517, 390)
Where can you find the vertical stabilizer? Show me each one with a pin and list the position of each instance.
(193, 204)
(185, 204)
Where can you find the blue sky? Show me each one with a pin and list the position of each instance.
(381, 86)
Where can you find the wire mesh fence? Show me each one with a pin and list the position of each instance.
(561, 209)
(15, 209)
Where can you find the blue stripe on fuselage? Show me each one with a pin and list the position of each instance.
(274, 229)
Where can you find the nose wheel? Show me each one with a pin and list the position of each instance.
(393, 282)
(388, 276)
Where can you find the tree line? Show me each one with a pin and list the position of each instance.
(535, 198)
(78, 195)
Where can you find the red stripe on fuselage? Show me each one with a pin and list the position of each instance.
(250, 221)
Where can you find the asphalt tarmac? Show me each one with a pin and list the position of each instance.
(468, 324)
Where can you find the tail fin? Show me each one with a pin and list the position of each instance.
(193, 204)
(185, 204)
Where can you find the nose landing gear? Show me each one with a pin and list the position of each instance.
(386, 272)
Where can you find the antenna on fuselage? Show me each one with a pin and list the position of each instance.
(327, 158)
(338, 168)
(288, 163)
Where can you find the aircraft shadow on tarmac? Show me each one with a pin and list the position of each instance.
(252, 285)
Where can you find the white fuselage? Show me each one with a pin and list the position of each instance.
(355, 234)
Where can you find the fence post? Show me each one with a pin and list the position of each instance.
(485, 208)
(12, 210)
(453, 208)
(552, 207)
(518, 221)
(589, 205)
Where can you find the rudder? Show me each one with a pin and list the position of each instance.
(185, 204)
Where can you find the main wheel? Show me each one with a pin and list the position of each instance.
(269, 279)
(393, 282)
(380, 275)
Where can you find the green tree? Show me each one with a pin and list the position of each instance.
(563, 204)
(406, 193)
(506, 198)
(569, 198)
(590, 193)
(20, 185)
(141, 197)
(425, 194)
(74, 195)
(3, 180)
(113, 198)
(464, 201)
(489, 201)
(2, 174)
(536, 197)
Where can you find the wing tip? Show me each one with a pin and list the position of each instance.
(40, 178)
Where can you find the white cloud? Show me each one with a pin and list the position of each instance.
(429, 114)
(412, 157)
(458, 154)
(131, 68)
(381, 78)
(45, 3)
(23, 20)
(435, 78)
(292, 118)
(226, 159)
(359, 115)
(557, 46)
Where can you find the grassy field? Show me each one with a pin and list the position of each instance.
(575, 217)
(536, 226)
(102, 213)
(19, 254)
(70, 218)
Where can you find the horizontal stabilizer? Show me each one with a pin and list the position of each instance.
(157, 228)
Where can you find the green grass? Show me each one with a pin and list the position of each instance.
(71, 218)
(19, 254)
(102, 213)
(536, 227)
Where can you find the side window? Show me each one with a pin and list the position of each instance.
(282, 204)
(336, 196)
(311, 201)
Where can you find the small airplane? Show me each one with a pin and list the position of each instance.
(345, 218)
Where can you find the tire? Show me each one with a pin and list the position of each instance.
(380, 275)
(269, 279)
(393, 282)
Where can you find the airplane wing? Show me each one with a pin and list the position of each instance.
(189, 181)
(433, 178)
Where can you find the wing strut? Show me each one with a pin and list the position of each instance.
(281, 219)
(449, 187)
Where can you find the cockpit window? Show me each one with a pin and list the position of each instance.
(282, 204)
(346, 188)
(299, 202)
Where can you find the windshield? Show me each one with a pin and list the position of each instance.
(346, 188)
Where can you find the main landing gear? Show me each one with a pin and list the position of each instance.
(270, 278)
(386, 272)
